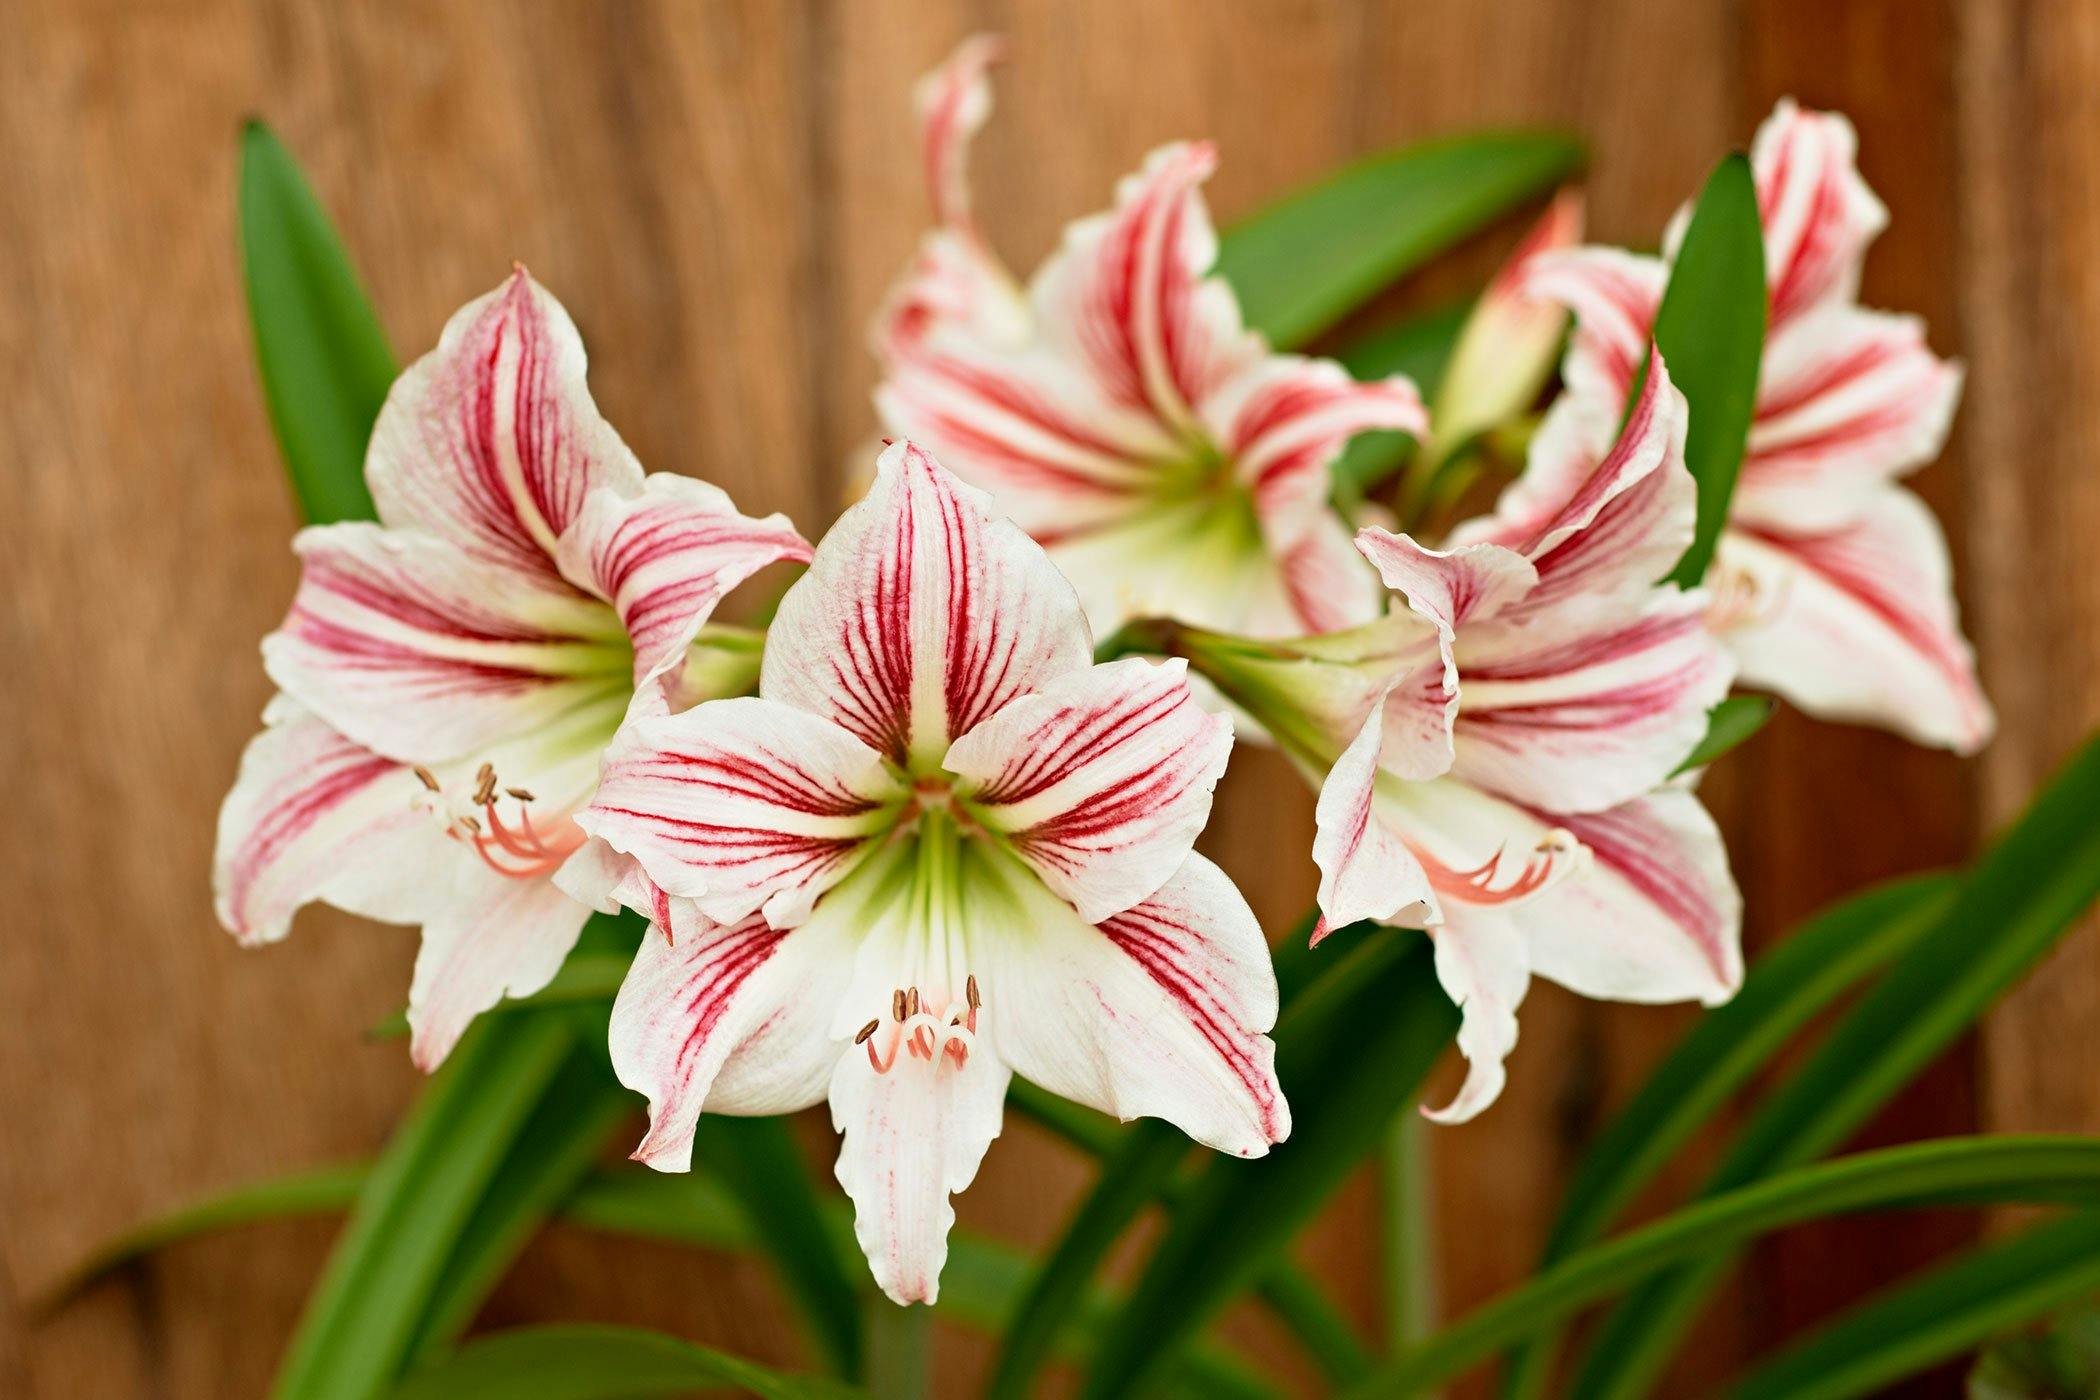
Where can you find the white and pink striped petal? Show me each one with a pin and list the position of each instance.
(314, 816)
(414, 649)
(1161, 1011)
(742, 805)
(922, 614)
(1856, 622)
(1849, 400)
(1100, 781)
(666, 556)
(491, 441)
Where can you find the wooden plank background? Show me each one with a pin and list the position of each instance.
(720, 192)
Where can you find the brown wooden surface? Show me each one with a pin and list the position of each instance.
(719, 193)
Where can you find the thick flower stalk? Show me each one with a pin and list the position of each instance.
(940, 847)
(1118, 409)
(1831, 584)
(1495, 760)
(450, 675)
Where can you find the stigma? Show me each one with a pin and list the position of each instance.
(913, 1030)
(1502, 880)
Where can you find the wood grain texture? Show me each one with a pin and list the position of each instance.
(720, 192)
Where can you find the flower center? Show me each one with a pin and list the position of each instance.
(1740, 599)
(914, 1030)
(515, 846)
(1498, 880)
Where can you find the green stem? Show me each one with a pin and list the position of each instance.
(900, 1351)
(1410, 1245)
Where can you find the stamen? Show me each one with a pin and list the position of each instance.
(426, 777)
(897, 1004)
(866, 1031)
(913, 1007)
(520, 793)
(970, 992)
(484, 785)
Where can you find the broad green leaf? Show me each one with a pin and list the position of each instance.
(1130, 1179)
(1827, 957)
(981, 1283)
(1142, 1167)
(1968, 1170)
(598, 1363)
(2018, 900)
(1304, 262)
(1355, 1047)
(324, 360)
(552, 1153)
(362, 1318)
(757, 1161)
(1710, 331)
(1927, 1320)
(1419, 349)
(1728, 725)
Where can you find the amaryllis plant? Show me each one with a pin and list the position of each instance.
(911, 828)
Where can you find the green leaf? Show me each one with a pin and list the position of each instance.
(1355, 1049)
(1418, 348)
(1304, 262)
(1924, 1321)
(362, 1318)
(325, 363)
(551, 1154)
(315, 1192)
(598, 1363)
(1728, 725)
(757, 1160)
(1710, 331)
(1969, 1170)
(1141, 1168)
(2021, 897)
(2062, 1362)
(1129, 1181)
(1786, 988)
(981, 1284)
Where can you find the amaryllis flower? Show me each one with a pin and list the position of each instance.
(1495, 760)
(1831, 584)
(450, 675)
(1118, 409)
(939, 848)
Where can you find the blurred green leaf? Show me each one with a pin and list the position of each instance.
(1927, 1320)
(1967, 1170)
(1353, 1049)
(1710, 331)
(2022, 895)
(1309, 259)
(2062, 1362)
(1418, 348)
(324, 360)
(757, 1160)
(1142, 1166)
(598, 1363)
(314, 1192)
(1728, 725)
(1828, 956)
(362, 1317)
(551, 1154)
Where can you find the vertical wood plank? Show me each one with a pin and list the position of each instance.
(2030, 204)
